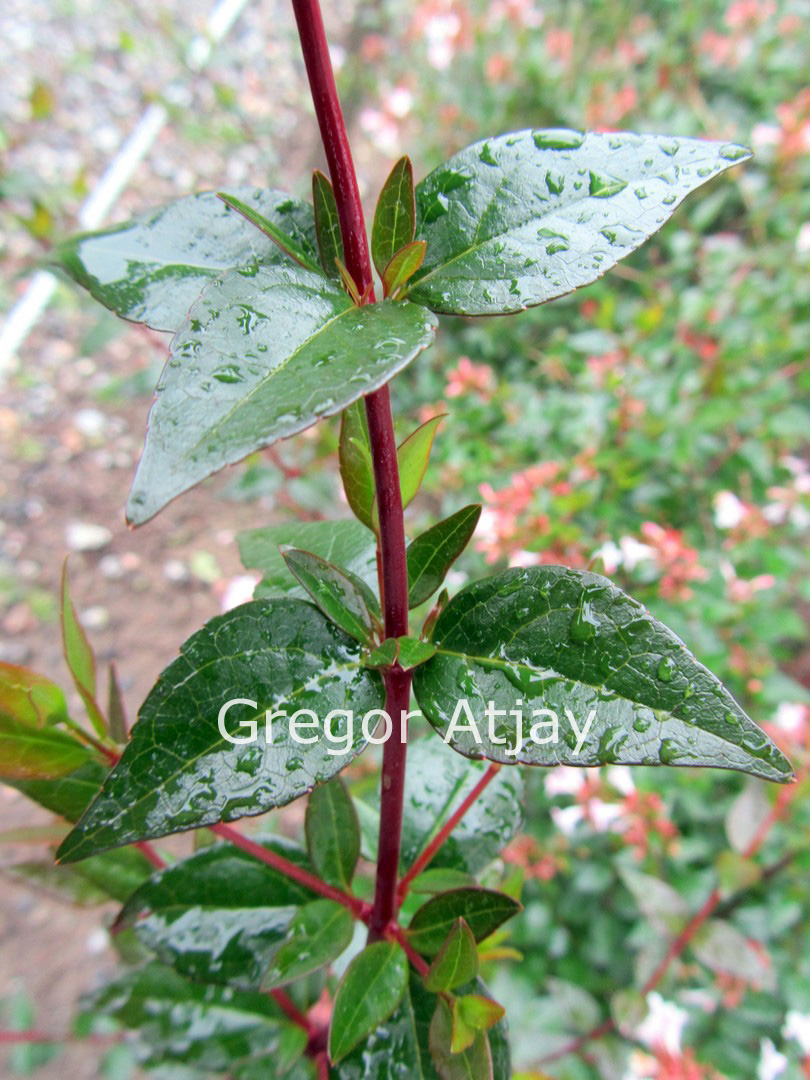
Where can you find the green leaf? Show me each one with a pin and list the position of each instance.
(413, 455)
(264, 353)
(30, 697)
(79, 657)
(284, 242)
(484, 910)
(403, 266)
(346, 543)
(409, 651)
(327, 224)
(178, 771)
(151, 269)
(478, 1012)
(725, 950)
(32, 752)
(211, 1028)
(356, 470)
(116, 712)
(432, 554)
(368, 994)
(456, 962)
(394, 217)
(333, 833)
(111, 876)
(219, 915)
(517, 220)
(338, 597)
(619, 686)
(316, 936)
(474, 1062)
(439, 879)
(68, 795)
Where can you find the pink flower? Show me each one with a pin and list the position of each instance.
(471, 378)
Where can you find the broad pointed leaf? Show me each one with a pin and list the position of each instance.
(394, 216)
(616, 684)
(413, 455)
(318, 933)
(68, 795)
(112, 876)
(30, 751)
(327, 224)
(516, 220)
(432, 554)
(478, 1012)
(338, 597)
(356, 470)
(484, 910)
(456, 962)
(79, 657)
(152, 269)
(287, 244)
(30, 697)
(368, 994)
(219, 915)
(264, 354)
(403, 266)
(178, 770)
(474, 1062)
(333, 833)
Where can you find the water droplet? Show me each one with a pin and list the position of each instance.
(557, 245)
(555, 184)
(485, 155)
(670, 148)
(666, 669)
(730, 718)
(584, 624)
(668, 200)
(641, 722)
(602, 185)
(558, 139)
(668, 752)
(733, 153)
(294, 764)
(230, 373)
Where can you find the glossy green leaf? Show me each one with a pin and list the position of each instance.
(432, 554)
(394, 217)
(622, 687)
(348, 544)
(264, 353)
(79, 656)
(408, 651)
(474, 1062)
(178, 771)
(287, 244)
(152, 269)
(29, 751)
(413, 455)
(478, 1012)
(484, 910)
(333, 833)
(210, 1028)
(436, 783)
(517, 220)
(440, 879)
(219, 915)
(338, 597)
(456, 962)
(368, 994)
(68, 795)
(327, 224)
(316, 936)
(356, 469)
(403, 266)
(30, 697)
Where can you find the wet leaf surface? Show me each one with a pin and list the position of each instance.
(179, 772)
(264, 353)
(571, 642)
(368, 994)
(516, 220)
(337, 596)
(327, 224)
(432, 554)
(484, 910)
(456, 962)
(318, 933)
(394, 216)
(333, 833)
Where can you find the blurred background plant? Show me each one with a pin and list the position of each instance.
(653, 426)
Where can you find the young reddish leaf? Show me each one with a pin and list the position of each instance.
(348, 282)
(318, 933)
(474, 1062)
(327, 224)
(116, 712)
(30, 697)
(270, 230)
(354, 455)
(333, 833)
(403, 266)
(413, 455)
(478, 1012)
(456, 962)
(79, 657)
(368, 993)
(484, 910)
(395, 215)
(339, 598)
(32, 752)
(432, 554)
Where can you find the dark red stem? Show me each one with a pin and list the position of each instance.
(383, 449)
(146, 849)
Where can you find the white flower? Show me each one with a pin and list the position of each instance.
(662, 1027)
(566, 818)
(729, 511)
(564, 780)
(765, 135)
(524, 558)
(797, 1026)
(790, 717)
(611, 556)
(399, 102)
(603, 814)
(620, 777)
(440, 33)
(803, 239)
(238, 591)
(771, 1063)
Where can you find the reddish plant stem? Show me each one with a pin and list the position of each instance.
(396, 933)
(359, 908)
(394, 574)
(441, 836)
(291, 1010)
(146, 849)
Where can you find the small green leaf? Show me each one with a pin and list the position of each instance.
(316, 936)
(479, 1012)
(348, 283)
(456, 962)
(408, 651)
(432, 554)
(116, 712)
(33, 752)
(403, 266)
(441, 879)
(68, 795)
(286, 243)
(338, 597)
(356, 470)
(152, 269)
(368, 994)
(472, 1063)
(384, 655)
(594, 676)
(79, 657)
(413, 455)
(179, 771)
(333, 833)
(484, 910)
(395, 216)
(327, 224)
(30, 697)
(264, 354)
(531, 215)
